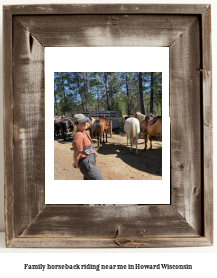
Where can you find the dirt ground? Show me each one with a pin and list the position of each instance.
(114, 159)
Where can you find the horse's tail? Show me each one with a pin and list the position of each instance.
(135, 129)
(102, 129)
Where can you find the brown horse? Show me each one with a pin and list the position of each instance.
(100, 127)
(149, 130)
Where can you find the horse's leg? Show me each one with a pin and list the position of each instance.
(145, 137)
(100, 137)
(137, 137)
(106, 135)
(131, 143)
(150, 139)
(103, 136)
(97, 133)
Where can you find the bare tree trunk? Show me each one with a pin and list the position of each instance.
(128, 96)
(64, 93)
(107, 91)
(86, 91)
(152, 93)
(97, 101)
(79, 91)
(141, 94)
(55, 104)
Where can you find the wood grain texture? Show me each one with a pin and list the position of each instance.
(186, 30)
(207, 67)
(106, 9)
(109, 222)
(29, 130)
(185, 114)
(208, 182)
(107, 30)
(8, 125)
(34, 242)
(207, 118)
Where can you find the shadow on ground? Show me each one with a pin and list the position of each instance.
(149, 161)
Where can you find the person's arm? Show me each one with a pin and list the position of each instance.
(77, 155)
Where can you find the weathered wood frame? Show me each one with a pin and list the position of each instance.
(188, 220)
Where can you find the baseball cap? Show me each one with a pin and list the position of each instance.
(79, 118)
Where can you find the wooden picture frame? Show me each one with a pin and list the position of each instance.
(186, 30)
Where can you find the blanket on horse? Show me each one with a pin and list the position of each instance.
(106, 120)
(153, 120)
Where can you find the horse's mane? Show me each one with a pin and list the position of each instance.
(140, 116)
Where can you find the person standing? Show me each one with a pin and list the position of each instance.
(84, 152)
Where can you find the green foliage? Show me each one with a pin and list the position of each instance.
(87, 91)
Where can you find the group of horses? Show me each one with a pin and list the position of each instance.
(62, 125)
(96, 127)
(151, 126)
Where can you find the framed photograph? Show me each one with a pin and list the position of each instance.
(69, 80)
(186, 218)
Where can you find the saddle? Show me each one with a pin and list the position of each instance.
(150, 121)
(153, 120)
(106, 120)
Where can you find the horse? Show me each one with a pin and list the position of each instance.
(66, 125)
(58, 117)
(63, 126)
(100, 127)
(57, 127)
(149, 128)
(132, 129)
(125, 117)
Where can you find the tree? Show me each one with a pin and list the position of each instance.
(107, 90)
(128, 95)
(141, 94)
(125, 92)
(152, 93)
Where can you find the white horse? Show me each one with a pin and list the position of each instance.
(132, 129)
